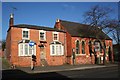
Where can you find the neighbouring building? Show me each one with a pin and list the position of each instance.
(66, 43)
(86, 42)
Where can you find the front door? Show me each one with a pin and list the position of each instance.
(43, 57)
(42, 54)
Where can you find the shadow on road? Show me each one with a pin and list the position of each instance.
(20, 75)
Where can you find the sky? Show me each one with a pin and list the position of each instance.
(46, 13)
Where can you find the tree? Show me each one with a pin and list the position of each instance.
(114, 27)
(98, 17)
(3, 45)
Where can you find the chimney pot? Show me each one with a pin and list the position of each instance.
(57, 20)
(11, 21)
(11, 15)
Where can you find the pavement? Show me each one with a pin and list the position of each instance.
(41, 69)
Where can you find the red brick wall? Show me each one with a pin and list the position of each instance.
(69, 44)
(59, 26)
(8, 45)
(54, 60)
(1, 53)
(109, 44)
(16, 36)
(82, 58)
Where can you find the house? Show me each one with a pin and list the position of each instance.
(66, 43)
(85, 42)
(49, 45)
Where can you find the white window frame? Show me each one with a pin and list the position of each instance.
(84, 47)
(25, 29)
(79, 46)
(44, 35)
(57, 53)
(57, 36)
(51, 52)
(97, 45)
(19, 50)
(19, 54)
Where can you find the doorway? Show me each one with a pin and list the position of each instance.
(43, 56)
(109, 54)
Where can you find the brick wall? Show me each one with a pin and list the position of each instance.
(16, 36)
(8, 45)
(82, 58)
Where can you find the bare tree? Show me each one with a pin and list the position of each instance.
(98, 17)
(114, 28)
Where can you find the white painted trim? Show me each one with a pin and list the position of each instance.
(24, 49)
(51, 50)
(57, 54)
(82, 39)
(57, 36)
(44, 34)
(79, 46)
(25, 29)
(18, 49)
(82, 46)
(77, 40)
(83, 54)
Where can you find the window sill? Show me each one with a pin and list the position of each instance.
(56, 55)
(26, 56)
(43, 41)
(80, 54)
(55, 40)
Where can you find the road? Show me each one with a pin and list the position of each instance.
(107, 72)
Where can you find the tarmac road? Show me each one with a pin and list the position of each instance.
(106, 72)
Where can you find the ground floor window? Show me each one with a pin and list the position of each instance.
(56, 49)
(77, 47)
(26, 50)
(97, 46)
(83, 47)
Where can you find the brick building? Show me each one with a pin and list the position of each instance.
(86, 43)
(66, 43)
(49, 45)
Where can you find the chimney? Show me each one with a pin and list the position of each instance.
(11, 21)
(57, 20)
(58, 24)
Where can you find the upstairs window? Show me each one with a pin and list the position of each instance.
(25, 33)
(55, 36)
(42, 35)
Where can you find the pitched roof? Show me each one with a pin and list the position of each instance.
(83, 30)
(36, 27)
